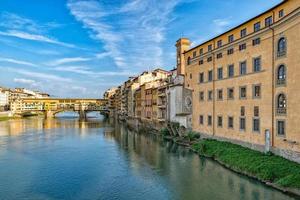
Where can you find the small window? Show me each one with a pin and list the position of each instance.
(256, 124)
(243, 68)
(268, 21)
(242, 47)
(201, 119)
(220, 121)
(243, 92)
(189, 60)
(281, 75)
(209, 47)
(256, 64)
(242, 111)
(219, 43)
(256, 26)
(256, 41)
(209, 59)
(201, 62)
(230, 38)
(230, 93)
(210, 75)
(201, 77)
(220, 94)
(201, 96)
(220, 73)
(191, 76)
(210, 95)
(281, 13)
(281, 128)
(243, 32)
(281, 47)
(281, 104)
(209, 120)
(230, 71)
(230, 51)
(256, 91)
(256, 111)
(201, 51)
(194, 54)
(219, 55)
(230, 122)
(242, 123)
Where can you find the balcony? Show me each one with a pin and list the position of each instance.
(281, 82)
(281, 111)
(281, 53)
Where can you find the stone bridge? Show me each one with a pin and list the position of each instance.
(51, 106)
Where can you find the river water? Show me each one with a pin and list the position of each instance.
(65, 158)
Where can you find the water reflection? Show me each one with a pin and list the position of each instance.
(71, 159)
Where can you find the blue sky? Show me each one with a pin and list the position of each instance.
(80, 48)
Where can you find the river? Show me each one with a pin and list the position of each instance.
(64, 158)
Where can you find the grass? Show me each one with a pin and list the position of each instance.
(5, 118)
(266, 167)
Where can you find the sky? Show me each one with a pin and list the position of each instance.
(80, 48)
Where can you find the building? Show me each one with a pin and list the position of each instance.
(245, 82)
(4, 100)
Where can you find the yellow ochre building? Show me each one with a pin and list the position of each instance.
(246, 82)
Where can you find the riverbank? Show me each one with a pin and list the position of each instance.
(5, 118)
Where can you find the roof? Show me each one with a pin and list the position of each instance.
(210, 40)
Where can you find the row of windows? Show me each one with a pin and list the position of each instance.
(230, 70)
(243, 33)
(256, 91)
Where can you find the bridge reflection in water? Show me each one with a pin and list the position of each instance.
(67, 158)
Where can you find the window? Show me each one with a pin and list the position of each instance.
(201, 62)
(230, 51)
(201, 77)
(201, 51)
(219, 55)
(209, 48)
(201, 119)
(230, 38)
(242, 47)
(243, 68)
(209, 120)
(242, 123)
(209, 59)
(256, 124)
(220, 73)
(256, 64)
(201, 96)
(281, 48)
(256, 111)
(269, 21)
(256, 41)
(189, 60)
(281, 104)
(219, 43)
(194, 54)
(191, 76)
(220, 94)
(243, 32)
(210, 75)
(256, 26)
(281, 13)
(243, 92)
(230, 93)
(242, 111)
(230, 70)
(220, 121)
(256, 91)
(230, 122)
(210, 95)
(281, 75)
(281, 128)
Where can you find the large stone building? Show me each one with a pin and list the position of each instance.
(246, 82)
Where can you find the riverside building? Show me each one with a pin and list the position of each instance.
(246, 82)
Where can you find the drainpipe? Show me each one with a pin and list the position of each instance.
(214, 110)
(273, 87)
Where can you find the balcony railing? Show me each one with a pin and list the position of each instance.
(281, 53)
(281, 81)
(281, 111)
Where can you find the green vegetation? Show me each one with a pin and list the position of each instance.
(164, 132)
(192, 136)
(5, 118)
(266, 167)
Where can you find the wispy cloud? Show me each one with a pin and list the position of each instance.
(24, 81)
(19, 62)
(221, 24)
(62, 61)
(132, 33)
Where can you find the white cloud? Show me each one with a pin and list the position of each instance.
(24, 81)
(102, 55)
(62, 61)
(19, 62)
(221, 24)
(34, 37)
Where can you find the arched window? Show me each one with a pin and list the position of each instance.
(281, 104)
(281, 49)
(281, 75)
(189, 60)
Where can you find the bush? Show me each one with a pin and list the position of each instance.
(192, 135)
(164, 132)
